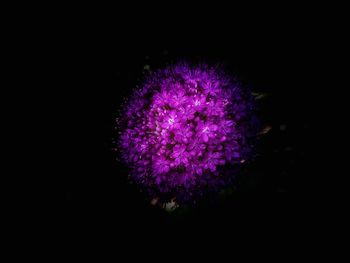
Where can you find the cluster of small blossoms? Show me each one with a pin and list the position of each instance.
(182, 128)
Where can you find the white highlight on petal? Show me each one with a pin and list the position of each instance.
(197, 103)
(171, 121)
(205, 129)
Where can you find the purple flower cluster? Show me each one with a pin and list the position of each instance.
(182, 128)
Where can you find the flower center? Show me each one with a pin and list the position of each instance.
(197, 103)
(171, 121)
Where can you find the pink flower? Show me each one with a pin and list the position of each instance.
(183, 135)
(180, 155)
(212, 161)
(187, 112)
(170, 120)
(161, 165)
(162, 97)
(199, 101)
(179, 98)
(207, 130)
(212, 88)
(196, 148)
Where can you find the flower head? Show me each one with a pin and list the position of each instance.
(183, 129)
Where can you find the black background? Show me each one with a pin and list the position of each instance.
(98, 64)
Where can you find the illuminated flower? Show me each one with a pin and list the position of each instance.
(161, 165)
(180, 155)
(184, 130)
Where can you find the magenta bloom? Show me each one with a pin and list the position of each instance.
(184, 131)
